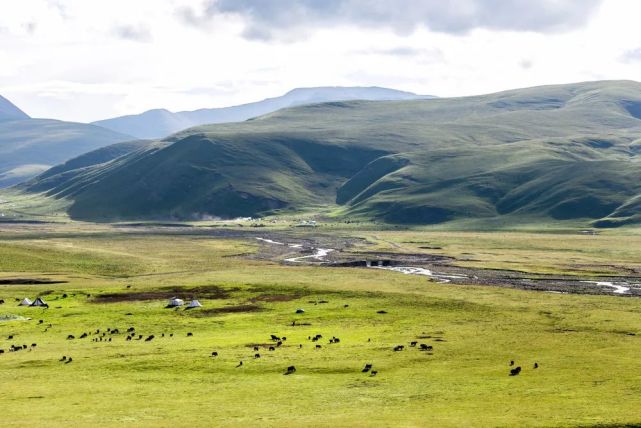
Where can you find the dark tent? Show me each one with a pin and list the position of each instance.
(39, 302)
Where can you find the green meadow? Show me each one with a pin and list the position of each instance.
(587, 347)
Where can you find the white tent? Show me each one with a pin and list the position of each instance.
(39, 302)
(26, 302)
(176, 302)
(194, 304)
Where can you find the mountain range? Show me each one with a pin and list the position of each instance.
(159, 123)
(551, 153)
(30, 146)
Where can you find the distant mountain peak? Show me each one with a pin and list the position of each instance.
(8, 110)
(306, 89)
(160, 123)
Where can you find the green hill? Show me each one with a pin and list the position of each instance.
(30, 146)
(565, 152)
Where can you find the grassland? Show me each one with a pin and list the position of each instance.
(586, 346)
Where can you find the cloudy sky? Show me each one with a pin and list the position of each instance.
(85, 60)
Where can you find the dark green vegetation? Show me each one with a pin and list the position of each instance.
(159, 123)
(94, 157)
(30, 146)
(553, 153)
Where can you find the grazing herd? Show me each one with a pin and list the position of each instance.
(292, 369)
(517, 370)
(277, 342)
(368, 368)
(99, 336)
(15, 348)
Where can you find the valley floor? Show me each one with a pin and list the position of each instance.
(97, 278)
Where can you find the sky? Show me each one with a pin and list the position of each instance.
(85, 60)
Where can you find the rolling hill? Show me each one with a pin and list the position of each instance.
(564, 152)
(30, 146)
(160, 122)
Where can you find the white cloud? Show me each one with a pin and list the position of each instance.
(138, 33)
(67, 58)
(266, 19)
(632, 55)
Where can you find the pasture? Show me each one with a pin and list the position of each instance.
(586, 346)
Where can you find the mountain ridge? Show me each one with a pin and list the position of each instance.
(30, 146)
(9, 111)
(158, 123)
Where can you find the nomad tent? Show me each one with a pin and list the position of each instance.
(38, 302)
(26, 302)
(194, 304)
(175, 302)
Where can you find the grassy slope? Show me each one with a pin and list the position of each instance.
(588, 372)
(47, 142)
(530, 153)
(21, 173)
(98, 156)
(180, 180)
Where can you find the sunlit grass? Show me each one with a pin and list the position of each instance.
(588, 359)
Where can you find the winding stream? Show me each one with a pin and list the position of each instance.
(319, 256)
(319, 253)
(411, 270)
(269, 241)
(618, 289)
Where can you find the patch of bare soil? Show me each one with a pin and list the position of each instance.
(275, 298)
(204, 292)
(228, 310)
(29, 281)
